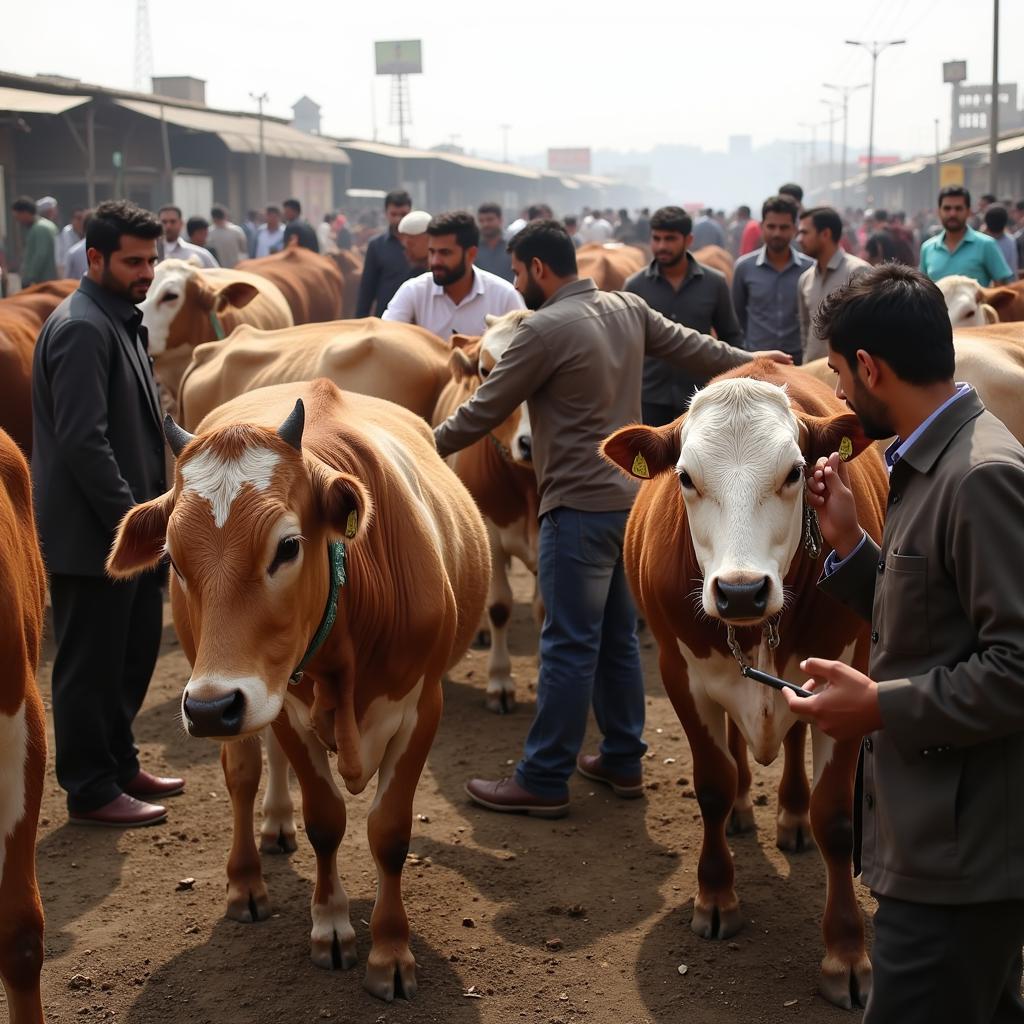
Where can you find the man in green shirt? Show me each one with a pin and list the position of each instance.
(38, 262)
(959, 249)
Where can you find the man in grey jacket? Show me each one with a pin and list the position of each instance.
(941, 831)
(578, 363)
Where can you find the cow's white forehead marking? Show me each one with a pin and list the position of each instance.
(498, 335)
(219, 480)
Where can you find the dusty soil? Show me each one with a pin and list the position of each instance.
(580, 920)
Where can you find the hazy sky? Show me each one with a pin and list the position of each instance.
(605, 74)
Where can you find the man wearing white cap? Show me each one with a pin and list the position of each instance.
(38, 261)
(412, 233)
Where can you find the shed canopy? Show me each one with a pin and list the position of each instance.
(25, 101)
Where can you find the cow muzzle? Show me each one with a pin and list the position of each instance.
(221, 716)
(742, 599)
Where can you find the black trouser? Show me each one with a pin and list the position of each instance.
(108, 637)
(657, 415)
(940, 964)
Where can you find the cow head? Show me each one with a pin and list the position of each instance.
(178, 308)
(965, 302)
(739, 456)
(246, 529)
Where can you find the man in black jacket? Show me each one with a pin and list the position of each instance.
(98, 450)
(385, 267)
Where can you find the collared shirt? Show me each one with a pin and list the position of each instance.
(707, 232)
(229, 242)
(976, 255)
(1008, 247)
(701, 302)
(76, 262)
(495, 259)
(268, 241)
(765, 300)
(420, 301)
(182, 249)
(812, 289)
(384, 269)
(39, 261)
(67, 238)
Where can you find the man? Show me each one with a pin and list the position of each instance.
(98, 449)
(1018, 214)
(412, 233)
(707, 230)
(942, 706)
(325, 234)
(879, 245)
(958, 248)
(77, 260)
(177, 248)
(996, 221)
(903, 238)
(686, 292)
(751, 237)
(38, 258)
(71, 234)
(492, 255)
(572, 229)
(297, 227)
(765, 282)
(821, 229)
(625, 230)
(596, 230)
(578, 363)
(385, 266)
(794, 191)
(737, 228)
(454, 296)
(198, 230)
(227, 239)
(251, 227)
(270, 234)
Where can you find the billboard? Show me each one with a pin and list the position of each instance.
(569, 161)
(954, 71)
(951, 174)
(399, 57)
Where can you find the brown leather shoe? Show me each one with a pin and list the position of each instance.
(145, 786)
(629, 787)
(508, 796)
(124, 812)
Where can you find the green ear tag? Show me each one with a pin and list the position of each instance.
(640, 467)
(352, 524)
(845, 448)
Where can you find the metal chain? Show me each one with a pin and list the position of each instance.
(812, 533)
(769, 635)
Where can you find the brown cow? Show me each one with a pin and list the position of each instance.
(22, 739)
(311, 284)
(724, 562)
(325, 576)
(1006, 299)
(717, 258)
(609, 263)
(350, 263)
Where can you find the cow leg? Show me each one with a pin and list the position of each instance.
(242, 761)
(332, 939)
(794, 826)
(716, 910)
(845, 970)
(391, 965)
(742, 817)
(501, 690)
(277, 832)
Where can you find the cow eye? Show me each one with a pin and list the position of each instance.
(686, 480)
(794, 475)
(287, 551)
(168, 297)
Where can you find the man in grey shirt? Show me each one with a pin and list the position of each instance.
(578, 362)
(764, 286)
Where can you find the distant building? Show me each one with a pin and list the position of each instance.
(972, 105)
(306, 116)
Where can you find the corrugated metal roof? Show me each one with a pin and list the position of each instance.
(25, 101)
(460, 160)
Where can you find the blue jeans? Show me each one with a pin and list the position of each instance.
(588, 652)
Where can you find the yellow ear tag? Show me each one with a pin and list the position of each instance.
(352, 524)
(845, 448)
(640, 467)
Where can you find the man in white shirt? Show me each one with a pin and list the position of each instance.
(270, 234)
(227, 239)
(72, 233)
(177, 248)
(453, 297)
(596, 229)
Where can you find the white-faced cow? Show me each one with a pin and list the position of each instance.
(325, 576)
(719, 549)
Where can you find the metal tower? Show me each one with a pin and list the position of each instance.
(143, 48)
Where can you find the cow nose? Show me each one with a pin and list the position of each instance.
(220, 717)
(525, 443)
(742, 600)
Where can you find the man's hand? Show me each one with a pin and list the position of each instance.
(776, 356)
(845, 701)
(828, 492)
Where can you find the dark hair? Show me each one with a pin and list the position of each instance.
(571, 221)
(955, 190)
(252, 214)
(273, 209)
(172, 208)
(996, 218)
(825, 218)
(460, 224)
(881, 215)
(988, 198)
(24, 204)
(895, 313)
(671, 218)
(397, 197)
(791, 188)
(492, 208)
(218, 213)
(623, 214)
(780, 204)
(539, 211)
(547, 241)
(743, 211)
(293, 204)
(1019, 204)
(196, 224)
(117, 217)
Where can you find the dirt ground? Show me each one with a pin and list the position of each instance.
(585, 919)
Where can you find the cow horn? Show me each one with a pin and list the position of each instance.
(177, 437)
(291, 430)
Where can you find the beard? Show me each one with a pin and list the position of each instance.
(134, 292)
(533, 296)
(445, 277)
(668, 260)
(873, 415)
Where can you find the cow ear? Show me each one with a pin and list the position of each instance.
(237, 294)
(462, 366)
(999, 296)
(141, 537)
(820, 436)
(464, 341)
(343, 502)
(643, 452)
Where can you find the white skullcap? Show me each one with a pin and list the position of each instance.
(46, 203)
(414, 223)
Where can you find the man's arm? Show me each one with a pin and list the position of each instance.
(723, 319)
(739, 297)
(699, 354)
(402, 306)
(368, 283)
(804, 314)
(996, 265)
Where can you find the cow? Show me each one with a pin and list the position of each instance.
(188, 304)
(350, 263)
(965, 302)
(1006, 299)
(609, 263)
(723, 558)
(498, 472)
(324, 576)
(311, 284)
(716, 257)
(22, 738)
(401, 362)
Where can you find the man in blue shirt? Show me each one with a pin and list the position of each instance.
(959, 249)
(385, 267)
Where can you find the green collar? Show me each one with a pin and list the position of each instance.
(336, 560)
(218, 327)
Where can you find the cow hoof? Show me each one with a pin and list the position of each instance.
(335, 953)
(391, 975)
(845, 984)
(716, 922)
(795, 837)
(501, 703)
(740, 822)
(248, 905)
(278, 842)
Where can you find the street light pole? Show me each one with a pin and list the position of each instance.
(874, 48)
(993, 138)
(504, 142)
(845, 91)
(261, 99)
(833, 116)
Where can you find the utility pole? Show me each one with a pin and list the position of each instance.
(993, 139)
(938, 171)
(504, 142)
(833, 116)
(143, 48)
(874, 48)
(845, 91)
(261, 99)
(813, 126)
